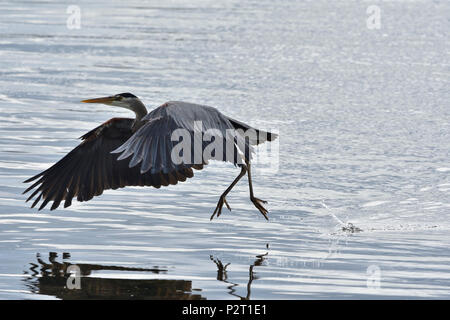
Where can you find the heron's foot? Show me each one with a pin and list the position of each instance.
(257, 202)
(218, 210)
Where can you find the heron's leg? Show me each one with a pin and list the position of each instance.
(257, 202)
(222, 199)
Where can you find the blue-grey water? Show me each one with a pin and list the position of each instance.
(359, 198)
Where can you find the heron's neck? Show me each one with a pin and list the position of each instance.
(140, 111)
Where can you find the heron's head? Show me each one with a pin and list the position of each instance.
(124, 100)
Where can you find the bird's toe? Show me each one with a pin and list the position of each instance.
(259, 206)
(218, 211)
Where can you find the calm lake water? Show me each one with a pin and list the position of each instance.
(359, 199)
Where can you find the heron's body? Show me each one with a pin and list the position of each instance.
(145, 144)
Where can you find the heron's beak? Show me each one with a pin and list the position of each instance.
(104, 100)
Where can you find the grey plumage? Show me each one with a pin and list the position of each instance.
(152, 142)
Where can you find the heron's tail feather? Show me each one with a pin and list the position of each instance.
(258, 136)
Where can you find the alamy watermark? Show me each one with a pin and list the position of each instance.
(373, 281)
(374, 17)
(74, 279)
(232, 145)
(74, 19)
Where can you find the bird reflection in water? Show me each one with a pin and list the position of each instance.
(222, 275)
(51, 279)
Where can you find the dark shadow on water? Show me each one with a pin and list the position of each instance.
(53, 278)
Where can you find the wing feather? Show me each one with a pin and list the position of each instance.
(152, 144)
(91, 168)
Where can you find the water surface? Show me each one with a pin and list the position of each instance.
(359, 206)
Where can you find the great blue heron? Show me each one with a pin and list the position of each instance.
(93, 166)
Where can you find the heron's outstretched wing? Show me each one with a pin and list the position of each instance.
(209, 135)
(91, 168)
